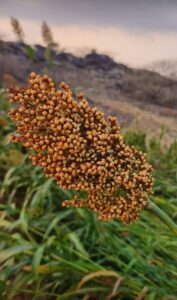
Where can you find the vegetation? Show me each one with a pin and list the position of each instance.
(47, 36)
(48, 40)
(75, 145)
(17, 29)
(48, 252)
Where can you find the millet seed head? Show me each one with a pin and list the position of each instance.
(75, 144)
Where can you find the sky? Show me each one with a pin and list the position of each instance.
(135, 32)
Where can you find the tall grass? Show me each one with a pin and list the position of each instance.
(47, 252)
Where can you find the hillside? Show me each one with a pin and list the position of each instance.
(167, 68)
(137, 97)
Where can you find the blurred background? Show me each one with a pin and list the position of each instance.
(123, 56)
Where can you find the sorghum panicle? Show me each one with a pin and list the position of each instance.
(83, 151)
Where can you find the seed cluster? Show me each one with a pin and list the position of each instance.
(75, 144)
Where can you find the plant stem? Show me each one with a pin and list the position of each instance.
(162, 215)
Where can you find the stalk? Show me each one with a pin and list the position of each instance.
(152, 207)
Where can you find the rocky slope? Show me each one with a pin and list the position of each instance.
(137, 97)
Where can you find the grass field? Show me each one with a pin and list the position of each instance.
(47, 252)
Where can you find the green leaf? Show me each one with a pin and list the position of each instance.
(77, 243)
(13, 251)
(30, 53)
(37, 259)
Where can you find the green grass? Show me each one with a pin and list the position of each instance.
(48, 252)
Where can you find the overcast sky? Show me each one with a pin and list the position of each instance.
(133, 31)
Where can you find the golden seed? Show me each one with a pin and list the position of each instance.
(81, 150)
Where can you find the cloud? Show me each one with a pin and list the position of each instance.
(134, 48)
(147, 15)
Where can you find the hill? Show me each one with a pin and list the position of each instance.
(137, 97)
